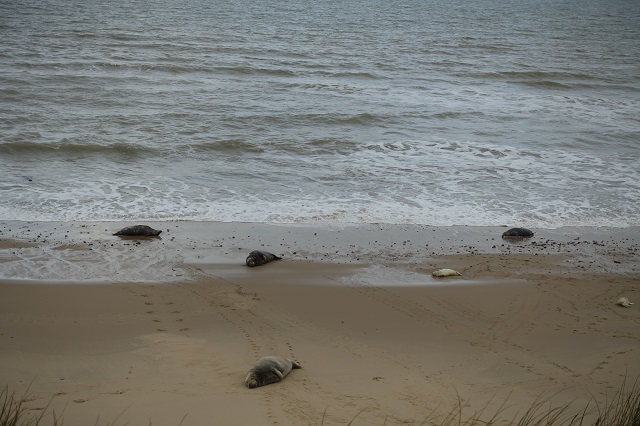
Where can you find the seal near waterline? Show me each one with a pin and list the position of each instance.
(624, 302)
(445, 273)
(138, 231)
(517, 232)
(269, 369)
(257, 258)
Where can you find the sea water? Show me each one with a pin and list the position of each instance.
(431, 112)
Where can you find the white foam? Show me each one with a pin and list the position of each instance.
(435, 183)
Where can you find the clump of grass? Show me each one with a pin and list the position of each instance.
(622, 409)
(13, 411)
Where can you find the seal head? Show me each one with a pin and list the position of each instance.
(257, 258)
(269, 369)
(138, 231)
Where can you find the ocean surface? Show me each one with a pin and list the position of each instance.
(439, 112)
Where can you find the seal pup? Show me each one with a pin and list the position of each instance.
(139, 230)
(445, 273)
(257, 258)
(518, 232)
(269, 369)
(624, 302)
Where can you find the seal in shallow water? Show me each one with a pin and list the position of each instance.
(518, 232)
(139, 230)
(257, 258)
(269, 369)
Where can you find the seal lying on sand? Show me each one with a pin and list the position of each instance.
(624, 302)
(139, 230)
(445, 273)
(257, 258)
(518, 232)
(269, 369)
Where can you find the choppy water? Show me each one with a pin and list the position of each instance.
(411, 111)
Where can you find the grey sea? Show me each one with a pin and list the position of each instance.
(436, 112)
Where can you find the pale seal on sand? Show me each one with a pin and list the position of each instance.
(445, 273)
(518, 232)
(257, 258)
(269, 369)
(139, 230)
(624, 302)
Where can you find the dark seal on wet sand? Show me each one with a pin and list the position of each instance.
(518, 232)
(257, 258)
(138, 231)
(269, 369)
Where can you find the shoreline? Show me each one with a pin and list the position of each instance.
(54, 247)
(355, 305)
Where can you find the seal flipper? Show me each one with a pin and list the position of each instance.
(278, 373)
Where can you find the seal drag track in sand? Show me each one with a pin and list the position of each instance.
(269, 369)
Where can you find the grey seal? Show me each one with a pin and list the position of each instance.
(518, 232)
(269, 369)
(624, 302)
(445, 273)
(257, 258)
(139, 230)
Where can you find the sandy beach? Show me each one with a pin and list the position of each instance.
(163, 330)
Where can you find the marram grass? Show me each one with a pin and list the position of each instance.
(14, 412)
(622, 409)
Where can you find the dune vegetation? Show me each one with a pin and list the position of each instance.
(621, 409)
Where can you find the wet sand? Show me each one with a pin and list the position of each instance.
(156, 329)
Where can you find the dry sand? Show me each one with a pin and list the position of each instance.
(134, 331)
